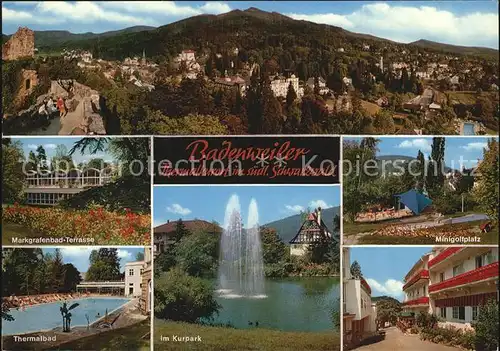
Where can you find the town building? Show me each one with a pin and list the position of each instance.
(358, 312)
(452, 283)
(133, 278)
(312, 230)
(234, 82)
(186, 56)
(146, 282)
(323, 89)
(280, 84)
(48, 188)
(164, 234)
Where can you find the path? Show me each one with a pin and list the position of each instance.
(73, 119)
(395, 340)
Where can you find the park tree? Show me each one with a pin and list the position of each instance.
(486, 191)
(56, 271)
(184, 298)
(388, 310)
(71, 278)
(272, 119)
(104, 265)
(197, 254)
(273, 248)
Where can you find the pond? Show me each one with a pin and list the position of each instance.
(47, 316)
(292, 304)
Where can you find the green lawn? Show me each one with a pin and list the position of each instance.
(12, 230)
(472, 227)
(128, 338)
(229, 339)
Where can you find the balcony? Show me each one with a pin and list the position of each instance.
(422, 274)
(474, 276)
(365, 286)
(443, 255)
(424, 300)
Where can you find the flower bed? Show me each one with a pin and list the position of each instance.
(104, 227)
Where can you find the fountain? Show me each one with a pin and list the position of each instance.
(241, 270)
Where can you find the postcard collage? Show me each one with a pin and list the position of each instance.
(318, 176)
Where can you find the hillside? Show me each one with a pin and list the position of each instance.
(251, 30)
(455, 49)
(288, 227)
(384, 297)
(54, 38)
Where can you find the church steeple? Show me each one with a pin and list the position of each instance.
(143, 56)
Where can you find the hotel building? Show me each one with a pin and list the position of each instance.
(452, 283)
(48, 188)
(359, 313)
(133, 278)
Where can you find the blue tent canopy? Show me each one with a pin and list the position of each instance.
(414, 200)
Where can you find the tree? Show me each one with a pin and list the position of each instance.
(486, 191)
(57, 272)
(356, 270)
(12, 172)
(71, 278)
(104, 265)
(486, 326)
(139, 256)
(435, 175)
(388, 310)
(180, 297)
(197, 254)
(384, 123)
(41, 156)
(272, 119)
(291, 96)
(273, 248)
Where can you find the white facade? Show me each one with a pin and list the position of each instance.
(459, 280)
(359, 313)
(187, 56)
(279, 85)
(133, 278)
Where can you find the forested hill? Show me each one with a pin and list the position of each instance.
(460, 50)
(258, 33)
(46, 39)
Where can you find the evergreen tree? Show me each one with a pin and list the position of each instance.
(356, 270)
(291, 96)
(435, 175)
(57, 272)
(254, 105)
(316, 86)
(272, 119)
(41, 158)
(404, 82)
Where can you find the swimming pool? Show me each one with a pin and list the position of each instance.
(469, 129)
(48, 316)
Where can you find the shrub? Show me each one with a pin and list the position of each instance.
(449, 336)
(426, 320)
(180, 297)
(486, 327)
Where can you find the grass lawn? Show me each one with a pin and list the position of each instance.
(471, 228)
(128, 338)
(229, 339)
(370, 107)
(12, 230)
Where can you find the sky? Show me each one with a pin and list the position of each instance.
(469, 23)
(79, 256)
(470, 149)
(379, 268)
(209, 202)
(50, 145)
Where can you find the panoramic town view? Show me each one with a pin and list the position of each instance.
(74, 298)
(418, 190)
(223, 69)
(75, 191)
(259, 265)
(436, 298)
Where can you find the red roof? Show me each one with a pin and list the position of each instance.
(191, 225)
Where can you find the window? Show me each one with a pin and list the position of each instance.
(424, 290)
(461, 313)
(479, 261)
(442, 312)
(474, 313)
(28, 84)
(441, 277)
(455, 312)
(459, 269)
(130, 272)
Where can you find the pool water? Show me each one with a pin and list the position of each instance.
(47, 316)
(469, 129)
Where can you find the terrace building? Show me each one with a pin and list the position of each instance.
(359, 313)
(312, 230)
(453, 283)
(48, 188)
